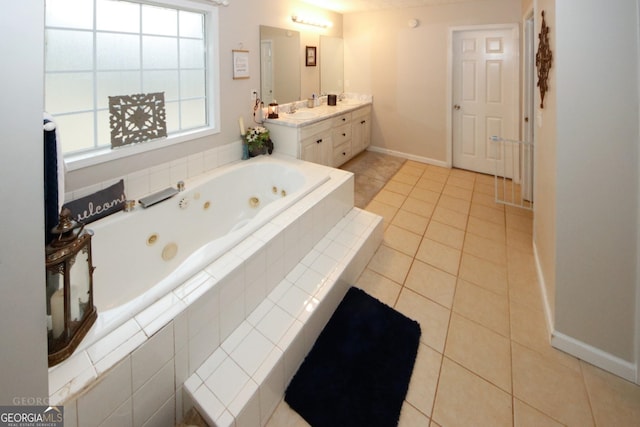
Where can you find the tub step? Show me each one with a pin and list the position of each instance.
(243, 381)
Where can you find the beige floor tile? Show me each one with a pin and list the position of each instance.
(483, 178)
(418, 165)
(412, 168)
(483, 228)
(405, 178)
(379, 287)
(401, 239)
(399, 187)
(387, 212)
(482, 306)
(487, 274)
(433, 318)
(410, 221)
(526, 416)
(435, 176)
(449, 217)
(485, 248)
(457, 205)
(487, 213)
(457, 192)
(411, 417)
(554, 389)
(520, 223)
(430, 185)
(615, 402)
(418, 207)
(519, 240)
(284, 416)
(425, 195)
(523, 279)
(390, 198)
(440, 256)
(391, 263)
(463, 181)
(484, 188)
(445, 234)
(488, 200)
(438, 170)
(432, 283)
(434, 424)
(480, 350)
(464, 399)
(424, 379)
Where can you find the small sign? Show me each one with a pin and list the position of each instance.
(99, 204)
(32, 416)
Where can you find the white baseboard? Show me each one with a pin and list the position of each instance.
(407, 156)
(579, 349)
(595, 356)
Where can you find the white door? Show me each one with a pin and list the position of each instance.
(484, 95)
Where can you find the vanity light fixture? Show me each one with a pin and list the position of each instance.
(309, 21)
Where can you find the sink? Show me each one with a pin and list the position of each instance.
(301, 115)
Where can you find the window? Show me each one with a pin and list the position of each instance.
(101, 48)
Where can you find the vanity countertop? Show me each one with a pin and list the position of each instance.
(307, 116)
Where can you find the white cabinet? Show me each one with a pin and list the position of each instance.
(331, 141)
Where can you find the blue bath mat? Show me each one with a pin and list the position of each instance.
(358, 371)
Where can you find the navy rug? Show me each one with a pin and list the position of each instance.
(358, 371)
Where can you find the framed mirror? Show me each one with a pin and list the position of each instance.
(279, 65)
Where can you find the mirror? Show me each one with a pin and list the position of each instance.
(279, 65)
(331, 65)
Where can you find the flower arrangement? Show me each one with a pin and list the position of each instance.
(257, 140)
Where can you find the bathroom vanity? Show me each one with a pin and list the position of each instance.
(328, 135)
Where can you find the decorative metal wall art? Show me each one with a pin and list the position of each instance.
(137, 118)
(544, 58)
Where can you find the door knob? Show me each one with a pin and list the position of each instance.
(456, 107)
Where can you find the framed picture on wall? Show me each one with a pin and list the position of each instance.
(310, 57)
(240, 64)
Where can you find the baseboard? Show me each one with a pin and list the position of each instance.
(407, 156)
(546, 305)
(577, 348)
(595, 356)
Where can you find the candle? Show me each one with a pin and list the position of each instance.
(57, 312)
(241, 123)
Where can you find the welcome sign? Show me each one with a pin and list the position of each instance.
(99, 204)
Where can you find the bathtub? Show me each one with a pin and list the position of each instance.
(142, 255)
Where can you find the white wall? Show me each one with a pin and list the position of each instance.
(597, 178)
(23, 358)
(405, 69)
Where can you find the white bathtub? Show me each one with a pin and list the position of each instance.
(142, 255)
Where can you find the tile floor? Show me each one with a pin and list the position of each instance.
(462, 266)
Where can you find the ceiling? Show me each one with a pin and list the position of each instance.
(349, 6)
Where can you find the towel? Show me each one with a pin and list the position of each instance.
(54, 170)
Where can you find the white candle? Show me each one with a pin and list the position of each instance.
(75, 302)
(57, 312)
(241, 123)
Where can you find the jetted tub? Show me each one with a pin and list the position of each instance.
(142, 255)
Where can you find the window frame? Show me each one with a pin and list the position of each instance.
(74, 161)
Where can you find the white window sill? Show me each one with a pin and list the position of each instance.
(83, 160)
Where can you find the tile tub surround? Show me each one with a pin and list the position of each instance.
(243, 381)
(236, 283)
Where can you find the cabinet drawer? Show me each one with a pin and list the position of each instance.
(307, 131)
(341, 134)
(341, 119)
(341, 154)
(361, 112)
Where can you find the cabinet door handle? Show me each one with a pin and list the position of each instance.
(344, 154)
(363, 122)
(344, 134)
(319, 141)
(344, 119)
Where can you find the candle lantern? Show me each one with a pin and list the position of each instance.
(69, 288)
(273, 110)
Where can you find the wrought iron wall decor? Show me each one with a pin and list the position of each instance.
(544, 58)
(137, 118)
